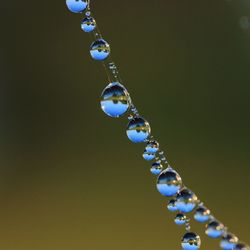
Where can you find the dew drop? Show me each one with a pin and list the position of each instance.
(169, 182)
(138, 130)
(99, 50)
(88, 24)
(77, 6)
(186, 201)
(191, 241)
(115, 100)
(215, 229)
(156, 168)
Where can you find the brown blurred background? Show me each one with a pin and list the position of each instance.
(70, 179)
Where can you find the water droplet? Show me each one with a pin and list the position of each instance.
(180, 219)
(241, 246)
(156, 168)
(88, 24)
(228, 241)
(171, 206)
(99, 50)
(115, 100)
(186, 201)
(191, 241)
(148, 156)
(169, 183)
(138, 130)
(77, 6)
(202, 214)
(152, 146)
(88, 13)
(215, 229)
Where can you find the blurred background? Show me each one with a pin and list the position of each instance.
(69, 177)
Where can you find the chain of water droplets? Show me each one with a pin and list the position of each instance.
(115, 102)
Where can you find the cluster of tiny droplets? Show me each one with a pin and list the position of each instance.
(115, 102)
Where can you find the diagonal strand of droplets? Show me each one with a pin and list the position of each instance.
(115, 102)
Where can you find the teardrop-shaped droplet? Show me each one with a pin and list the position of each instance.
(148, 156)
(202, 214)
(99, 50)
(169, 182)
(138, 130)
(115, 100)
(156, 168)
(180, 219)
(152, 146)
(171, 206)
(215, 229)
(88, 24)
(77, 6)
(191, 241)
(186, 201)
(228, 241)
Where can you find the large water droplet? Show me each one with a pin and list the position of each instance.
(191, 241)
(215, 229)
(202, 214)
(156, 168)
(228, 241)
(138, 130)
(186, 201)
(99, 50)
(115, 100)
(169, 183)
(88, 24)
(77, 6)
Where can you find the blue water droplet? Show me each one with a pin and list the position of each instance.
(99, 50)
(88, 24)
(138, 130)
(186, 201)
(215, 229)
(156, 168)
(77, 6)
(191, 241)
(169, 183)
(115, 100)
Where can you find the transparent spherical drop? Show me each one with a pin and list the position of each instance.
(148, 156)
(180, 219)
(169, 182)
(152, 147)
(88, 24)
(77, 6)
(186, 201)
(228, 241)
(156, 168)
(115, 100)
(99, 50)
(171, 206)
(215, 229)
(241, 246)
(191, 241)
(138, 130)
(202, 214)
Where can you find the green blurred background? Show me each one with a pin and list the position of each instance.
(70, 179)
